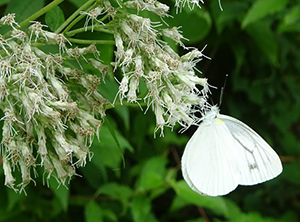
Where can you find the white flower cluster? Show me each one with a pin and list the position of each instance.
(179, 4)
(41, 99)
(173, 86)
(175, 92)
(49, 109)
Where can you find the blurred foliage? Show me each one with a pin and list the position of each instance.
(134, 177)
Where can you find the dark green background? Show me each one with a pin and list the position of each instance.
(257, 43)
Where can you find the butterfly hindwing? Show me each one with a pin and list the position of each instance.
(258, 162)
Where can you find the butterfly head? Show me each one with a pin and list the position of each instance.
(212, 114)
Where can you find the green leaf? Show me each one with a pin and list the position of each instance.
(262, 8)
(78, 3)
(291, 21)
(151, 218)
(123, 112)
(109, 89)
(150, 180)
(140, 208)
(152, 173)
(291, 173)
(6, 213)
(156, 165)
(95, 172)
(196, 220)
(3, 2)
(23, 9)
(107, 151)
(93, 212)
(232, 11)
(13, 199)
(54, 18)
(112, 131)
(239, 82)
(178, 203)
(61, 193)
(117, 191)
(191, 21)
(253, 216)
(216, 204)
(109, 215)
(9, 215)
(140, 126)
(256, 94)
(293, 15)
(265, 39)
(172, 138)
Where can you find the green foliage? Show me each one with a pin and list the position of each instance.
(199, 18)
(265, 39)
(140, 208)
(54, 18)
(61, 194)
(93, 212)
(291, 20)
(78, 3)
(257, 44)
(216, 204)
(262, 8)
(23, 9)
(3, 2)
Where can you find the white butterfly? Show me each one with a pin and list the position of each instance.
(224, 153)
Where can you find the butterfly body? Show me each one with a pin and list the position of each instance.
(224, 153)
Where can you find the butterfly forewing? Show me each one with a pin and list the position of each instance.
(258, 162)
(209, 162)
(187, 178)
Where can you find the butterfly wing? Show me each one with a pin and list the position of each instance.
(258, 161)
(209, 164)
(186, 176)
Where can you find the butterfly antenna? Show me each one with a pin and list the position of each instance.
(222, 90)
(211, 100)
(220, 5)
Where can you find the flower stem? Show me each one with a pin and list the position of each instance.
(103, 18)
(110, 106)
(70, 22)
(100, 28)
(84, 41)
(40, 12)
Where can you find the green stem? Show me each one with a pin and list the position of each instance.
(100, 28)
(117, 104)
(72, 17)
(40, 12)
(75, 21)
(103, 18)
(83, 41)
